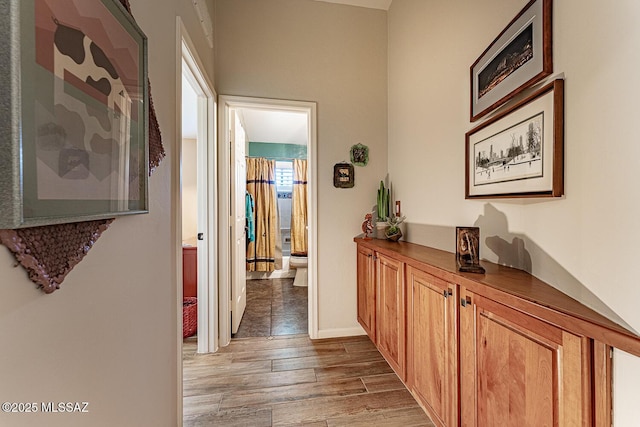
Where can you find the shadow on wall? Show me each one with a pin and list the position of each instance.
(514, 250)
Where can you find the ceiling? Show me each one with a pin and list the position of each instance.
(282, 127)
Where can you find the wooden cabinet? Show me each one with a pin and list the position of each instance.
(189, 271)
(432, 361)
(390, 312)
(367, 291)
(496, 349)
(517, 370)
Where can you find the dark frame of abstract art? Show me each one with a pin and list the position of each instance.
(74, 112)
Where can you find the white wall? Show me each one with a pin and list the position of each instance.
(584, 243)
(109, 336)
(189, 188)
(336, 56)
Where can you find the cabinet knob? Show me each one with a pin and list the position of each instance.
(447, 293)
(465, 301)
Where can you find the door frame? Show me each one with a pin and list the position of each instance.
(207, 197)
(227, 102)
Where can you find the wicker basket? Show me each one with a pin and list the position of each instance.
(189, 316)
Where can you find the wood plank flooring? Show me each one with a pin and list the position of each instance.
(291, 380)
(269, 376)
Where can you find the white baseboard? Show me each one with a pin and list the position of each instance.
(342, 332)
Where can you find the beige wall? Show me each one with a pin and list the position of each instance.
(334, 55)
(109, 336)
(189, 188)
(583, 243)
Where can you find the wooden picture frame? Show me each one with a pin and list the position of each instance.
(520, 56)
(343, 175)
(519, 153)
(75, 112)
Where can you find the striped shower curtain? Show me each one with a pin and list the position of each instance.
(299, 208)
(265, 253)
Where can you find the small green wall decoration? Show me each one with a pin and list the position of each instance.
(360, 155)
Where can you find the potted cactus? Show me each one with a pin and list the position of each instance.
(382, 208)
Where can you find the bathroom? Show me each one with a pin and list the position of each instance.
(277, 277)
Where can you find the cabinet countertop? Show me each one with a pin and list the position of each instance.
(523, 290)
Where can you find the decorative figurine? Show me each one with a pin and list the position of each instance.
(367, 226)
(468, 249)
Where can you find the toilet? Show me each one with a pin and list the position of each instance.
(299, 262)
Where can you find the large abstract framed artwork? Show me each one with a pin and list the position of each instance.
(520, 56)
(74, 112)
(519, 153)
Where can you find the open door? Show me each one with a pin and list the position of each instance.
(238, 223)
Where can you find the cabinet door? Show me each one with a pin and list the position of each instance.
(516, 370)
(432, 361)
(189, 271)
(367, 291)
(390, 313)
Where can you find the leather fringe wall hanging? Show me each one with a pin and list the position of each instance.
(50, 252)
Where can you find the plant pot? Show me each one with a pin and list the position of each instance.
(394, 237)
(381, 230)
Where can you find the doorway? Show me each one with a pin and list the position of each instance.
(229, 265)
(198, 210)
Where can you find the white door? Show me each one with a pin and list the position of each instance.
(238, 232)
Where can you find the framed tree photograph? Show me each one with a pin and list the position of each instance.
(520, 56)
(74, 122)
(519, 153)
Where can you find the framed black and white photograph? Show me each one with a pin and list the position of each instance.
(520, 56)
(519, 153)
(343, 175)
(74, 122)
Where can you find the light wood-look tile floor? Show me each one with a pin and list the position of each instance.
(291, 380)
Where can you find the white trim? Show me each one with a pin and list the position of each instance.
(205, 20)
(207, 322)
(176, 234)
(224, 225)
(370, 4)
(207, 137)
(312, 214)
(341, 332)
(310, 108)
